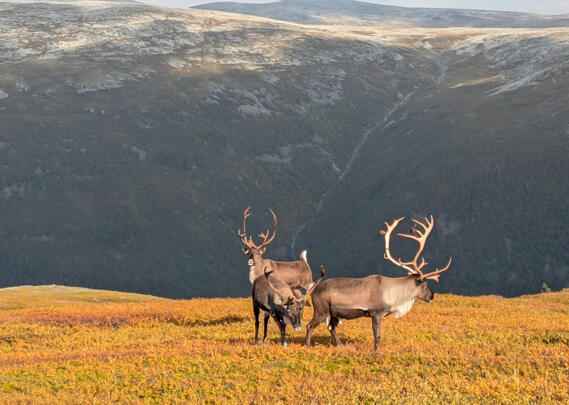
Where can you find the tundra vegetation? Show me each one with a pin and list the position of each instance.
(62, 345)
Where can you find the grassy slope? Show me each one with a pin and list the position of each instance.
(48, 296)
(76, 346)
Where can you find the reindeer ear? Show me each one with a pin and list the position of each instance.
(262, 250)
(418, 279)
(246, 250)
(290, 301)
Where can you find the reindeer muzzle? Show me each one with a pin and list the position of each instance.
(251, 262)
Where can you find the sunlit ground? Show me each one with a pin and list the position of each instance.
(61, 345)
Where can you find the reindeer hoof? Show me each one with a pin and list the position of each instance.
(285, 344)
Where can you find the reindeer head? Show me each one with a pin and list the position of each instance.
(423, 291)
(413, 268)
(251, 250)
(293, 305)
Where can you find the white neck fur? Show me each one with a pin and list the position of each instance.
(252, 275)
(399, 300)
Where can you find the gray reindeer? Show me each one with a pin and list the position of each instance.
(276, 299)
(375, 296)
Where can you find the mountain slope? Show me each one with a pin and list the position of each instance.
(351, 12)
(133, 137)
(485, 150)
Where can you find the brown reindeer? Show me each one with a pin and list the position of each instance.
(275, 298)
(376, 296)
(296, 274)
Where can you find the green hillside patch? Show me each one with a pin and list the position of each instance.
(55, 295)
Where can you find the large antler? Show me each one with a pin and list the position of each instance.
(419, 236)
(248, 241)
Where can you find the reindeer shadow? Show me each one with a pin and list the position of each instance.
(229, 319)
(316, 340)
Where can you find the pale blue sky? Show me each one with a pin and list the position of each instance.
(531, 6)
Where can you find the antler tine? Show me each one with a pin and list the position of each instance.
(423, 264)
(422, 235)
(246, 214)
(435, 274)
(248, 242)
(274, 218)
(427, 227)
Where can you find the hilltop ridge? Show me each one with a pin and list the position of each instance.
(349, 12)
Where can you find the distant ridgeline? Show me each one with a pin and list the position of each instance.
(133, 137)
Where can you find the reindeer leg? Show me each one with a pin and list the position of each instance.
(317, 319)
(282, 327)
(257, 314)
(332, 328)
(265, 324)
(375, 324)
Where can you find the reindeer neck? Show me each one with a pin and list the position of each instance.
(258, 268)
(401, 296)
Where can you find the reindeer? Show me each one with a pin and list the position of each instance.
(278, 300)
(296, 274)
(376, 296)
